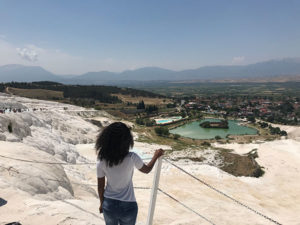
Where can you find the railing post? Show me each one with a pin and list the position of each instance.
(154, 191)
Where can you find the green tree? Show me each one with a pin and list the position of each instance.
(141, 105)
(171, 105)
(151, 108)
(183, 113)
(218, 137)
(139, 121)
(149, 122)
(176, 136)
(162, 131)
(283, 133)
(205, 143)
(251, 119)
(158, 131)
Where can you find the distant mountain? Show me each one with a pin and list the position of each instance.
(142, 74)
(263, 70)
(268, 69)
(258, 70)
(20, 73)
(91, 77)
(148, 73)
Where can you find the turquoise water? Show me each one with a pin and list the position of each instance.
(193, 130)
(164, 121)
(168, 120)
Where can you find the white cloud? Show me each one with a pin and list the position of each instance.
(8, 54)
(238, 59)
(54, 60)
(58, 61)
(27, 54)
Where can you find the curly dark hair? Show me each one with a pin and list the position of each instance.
(113, 143)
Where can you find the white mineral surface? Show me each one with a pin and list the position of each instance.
(55, 193)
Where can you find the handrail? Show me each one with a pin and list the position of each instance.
(154, 191)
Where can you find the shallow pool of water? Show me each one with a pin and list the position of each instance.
(168, 120)
(164, 121)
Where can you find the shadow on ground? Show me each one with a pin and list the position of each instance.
(2, 202)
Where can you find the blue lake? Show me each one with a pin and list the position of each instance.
(193, 130)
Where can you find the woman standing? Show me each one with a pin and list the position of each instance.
(116, 164)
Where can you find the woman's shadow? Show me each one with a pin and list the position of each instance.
(2, 202)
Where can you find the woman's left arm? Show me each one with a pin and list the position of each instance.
(101, 183)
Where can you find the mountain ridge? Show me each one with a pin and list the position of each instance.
(260, 70)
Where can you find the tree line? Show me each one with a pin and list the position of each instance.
(95, 92)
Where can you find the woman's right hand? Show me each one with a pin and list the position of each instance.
(100, 208)
(158, 153)
(147, 168)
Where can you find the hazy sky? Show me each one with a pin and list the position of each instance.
(77, 36)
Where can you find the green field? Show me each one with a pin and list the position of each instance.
(36, 93)
(227, 89)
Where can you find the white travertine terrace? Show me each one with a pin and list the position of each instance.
(48, 194)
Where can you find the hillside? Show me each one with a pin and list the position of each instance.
(56, 91)
(20, 73)
(121, 102)
(47, 168)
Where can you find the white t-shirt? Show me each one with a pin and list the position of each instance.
(119, 178)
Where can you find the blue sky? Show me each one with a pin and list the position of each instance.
(75, 36)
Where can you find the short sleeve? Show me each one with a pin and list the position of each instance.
(100, 171)
(138, 162)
